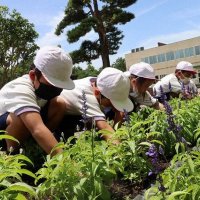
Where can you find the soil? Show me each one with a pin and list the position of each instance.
(121, 189)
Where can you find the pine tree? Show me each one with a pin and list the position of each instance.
(100, 16)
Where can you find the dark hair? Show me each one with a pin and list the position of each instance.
(38, 73)
(140, 80)
(178, 70)
(32, 66)
(102, 96)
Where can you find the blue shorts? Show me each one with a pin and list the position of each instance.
(3, 126)
(3, 119)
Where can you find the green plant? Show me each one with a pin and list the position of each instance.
(181, 179)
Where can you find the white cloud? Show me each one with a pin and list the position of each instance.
(56, 19)
(169, 38)
(149, 9)
(50, 38)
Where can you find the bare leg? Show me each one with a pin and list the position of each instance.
(17, 129)
(56, 113)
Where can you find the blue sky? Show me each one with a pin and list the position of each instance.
(155, 21)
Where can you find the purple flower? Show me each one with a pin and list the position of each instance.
(126, 117)
(84, 110)
(172, 126)
(162, 188)
(156, 168)
(154, 158)
(152, 152)
(150, 173)
(163, 96)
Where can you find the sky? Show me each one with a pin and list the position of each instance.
(165, 21)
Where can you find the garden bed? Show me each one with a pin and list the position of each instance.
(158, 157)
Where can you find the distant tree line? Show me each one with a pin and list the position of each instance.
(90, 70)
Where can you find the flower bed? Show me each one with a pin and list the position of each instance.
(158, 157)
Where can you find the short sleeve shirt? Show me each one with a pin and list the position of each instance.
(145, 99)
(74, 99)
(18, 96)
(170, 83)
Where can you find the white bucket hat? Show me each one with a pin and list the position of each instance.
(141, 69)
(114, 85)
(187, 66)
(56, 66)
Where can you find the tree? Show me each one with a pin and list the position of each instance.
(120, 64)
(79, 73)
(100, 16)
(17, 44)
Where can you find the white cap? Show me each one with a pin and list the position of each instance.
(55, 65)
(141, 69)
(187, 66)
(114, 85)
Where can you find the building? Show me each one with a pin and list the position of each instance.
(165, 57)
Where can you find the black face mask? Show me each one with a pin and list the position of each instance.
(47, 92)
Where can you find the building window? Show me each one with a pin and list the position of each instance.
(179, 54)
(189, 52)
(197, 50)
(161, 57)
(152, 59)
(146, 59)
(170, 55)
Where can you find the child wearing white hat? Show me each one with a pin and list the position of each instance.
(21, 100)
(172, 85)
(142, 77)
(110, 89)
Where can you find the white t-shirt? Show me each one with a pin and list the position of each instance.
(18, 96)
(145, 99)
(74, 99)
(170, 83)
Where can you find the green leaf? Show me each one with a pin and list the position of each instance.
(9, 137)
(194, 188)
(94, 168)
(20, 197)
(132, 146)
(197, 134)
(23, 187)
(145, 143)
(157, 141)
(25, 171)
(191, 164)
(104, 131)
(60, 145)
(23, 157)
(175, 194)
(177, 147)
(153, 133)
(151, 192)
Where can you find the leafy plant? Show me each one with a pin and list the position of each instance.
(11, 183)
(181, 179)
